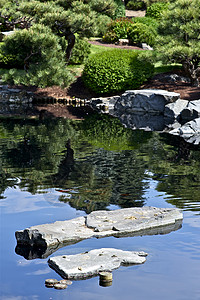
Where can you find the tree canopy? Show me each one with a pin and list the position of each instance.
(179, 40)
(62, 20)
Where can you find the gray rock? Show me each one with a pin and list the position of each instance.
(173, 110)
(144, 101)
(122, 222)
(190, 131)
(88, 264)
(191, 111)
(146, 46)
(173, 78)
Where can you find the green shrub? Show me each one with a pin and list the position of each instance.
(155, 10)
(120, 11)
(140, 33)
(136, 5)
(117, 29)
(80, 52)
(40, 51)
(116, 70)
(102, 22)
(150, 22)
(110, 37)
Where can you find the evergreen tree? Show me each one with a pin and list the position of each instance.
(180, 36)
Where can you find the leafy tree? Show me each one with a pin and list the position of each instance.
(180, 36)
(64, 19)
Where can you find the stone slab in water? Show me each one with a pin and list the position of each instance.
(122, 222)
(88, 264)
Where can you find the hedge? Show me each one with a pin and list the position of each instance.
(115, 71)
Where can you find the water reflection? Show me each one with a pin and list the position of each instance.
(95, 163)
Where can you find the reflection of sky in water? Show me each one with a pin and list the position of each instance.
(172, 269)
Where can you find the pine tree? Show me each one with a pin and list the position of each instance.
(180, 36)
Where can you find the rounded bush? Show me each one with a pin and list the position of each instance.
(115, 71)
(141, 33)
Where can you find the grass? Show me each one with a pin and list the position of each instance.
(160, 68)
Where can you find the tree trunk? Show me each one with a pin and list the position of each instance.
(191, 72)
(71, 42)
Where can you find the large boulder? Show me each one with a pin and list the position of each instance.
(145, 101)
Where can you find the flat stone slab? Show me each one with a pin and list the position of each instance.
(122, 222)
(88, 264)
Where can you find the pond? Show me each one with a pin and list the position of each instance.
(57, 169)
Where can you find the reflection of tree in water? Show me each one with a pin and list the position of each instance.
(176, 166)
(105, 178)
(71, 157)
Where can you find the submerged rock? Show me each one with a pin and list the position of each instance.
(88, 264)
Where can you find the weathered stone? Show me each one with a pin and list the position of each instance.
(190, 131)
(123, 42)
(118, 223)
(173, 110)
(144, 101)
(146, 46)
(191, 111)
(88, 264)
(60, 286)
(50, 282)
(131, 219)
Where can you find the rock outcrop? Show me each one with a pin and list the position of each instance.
(156, 110)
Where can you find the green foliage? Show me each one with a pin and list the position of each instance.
(150, 22)
(63, 18)
(39, 50)
(107, 7)
(150, 2)
(179, 41)
(117, 29)
(80, 51)
(120, 10)
(156, 9)
(6, 60)
(141, 33)
(138, 30)
(102, 23)
(115, 71)
(136, 5)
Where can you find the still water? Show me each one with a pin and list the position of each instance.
(59, 169)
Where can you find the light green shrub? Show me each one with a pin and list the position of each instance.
(140, 33)
(115, 71)
(155, 10)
